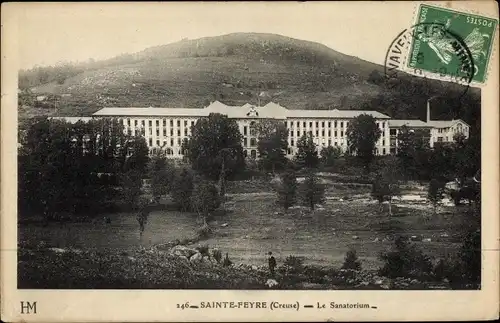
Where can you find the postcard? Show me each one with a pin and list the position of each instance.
(249, 161)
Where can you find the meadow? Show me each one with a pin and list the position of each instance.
(253, 224)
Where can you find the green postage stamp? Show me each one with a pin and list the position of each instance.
(451, 45)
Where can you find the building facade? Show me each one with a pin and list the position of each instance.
(166, 128)
(435, 131)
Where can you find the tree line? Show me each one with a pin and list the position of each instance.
(79, 167)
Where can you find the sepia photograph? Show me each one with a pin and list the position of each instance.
(225, 150)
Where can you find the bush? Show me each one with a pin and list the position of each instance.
(217, 255)
(204, 232)
(351, 261)
(405, 261)
(294, 265)
(227, 262)
(203, 250)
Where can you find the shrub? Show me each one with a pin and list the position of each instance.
(294, 265)
(351, 261)
(405, 261)
(204, 232)
(227, 262)
(217, 255)
(203, 249)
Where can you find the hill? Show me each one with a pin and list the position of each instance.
(239, 68)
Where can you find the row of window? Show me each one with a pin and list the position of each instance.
(297, 133)
(157, 123)
(142, 131)
(335, 123)
(165, 142)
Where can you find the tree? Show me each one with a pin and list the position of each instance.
(287, 191)
(307, 155)
(272, 147)
(329, 155)
(161, 173)
(387, 183)
(210, 136)
(139, 154)
(131, 184)
(182, 188)
(435, 193)
(311, 192)
(362, 135)
(205, 199)
(413, 148)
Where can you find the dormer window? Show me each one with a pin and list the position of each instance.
(252, 112)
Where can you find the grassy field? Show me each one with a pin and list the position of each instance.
(254, 225)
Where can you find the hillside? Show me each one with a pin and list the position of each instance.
(235, 69)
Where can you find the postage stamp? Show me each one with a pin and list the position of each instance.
(448, 43)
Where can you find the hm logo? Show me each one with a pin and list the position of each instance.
(28, 307)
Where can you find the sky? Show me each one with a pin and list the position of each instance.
(52, 33)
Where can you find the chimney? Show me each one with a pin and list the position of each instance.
(428, 110)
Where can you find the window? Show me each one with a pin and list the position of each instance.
(323, 124)
(329, 124)
(150, 123)
(185, 123)
(253, 142)
(335, 134)
(135, 123)
(172, 142)
(310, 124)
(245, 153)
(157, 123)
(245, 141)
(178, 123)
(317, 132)
(245, 130)
(150, 142)
(329, 133)
(143, 122)
(392, 132)
(171, 123)
(289, 151)
(335, 124)
(342, 134)
(150, 131)
(298, 133)
(178, 132)
(329, 142)
(178, 141)
(164, 132)
(298, 124)
(440, 139)
(185, 132)
(164, 122)
(192, 123)
(303, 132)
(323, 133)
(157, 132)
(158, 142)
(304, 124)
(335, 143)
(171, 132)
(341, 124)
(317, 124)
(292, 142)
(128, 122)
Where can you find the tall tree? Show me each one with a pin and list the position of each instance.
(413, 149)
(287, 190)
(329, 155)
(205, 199)
(161, 173)
(131, 184)
(311, 192)
(435, 193)
(307, 154)
(182, 189)
(387, 182)
(362, 135)
(272, 147)
(209, 137)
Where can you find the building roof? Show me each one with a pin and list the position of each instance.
(270, 110)
(408, 123)
(72, 120)
(444, 123)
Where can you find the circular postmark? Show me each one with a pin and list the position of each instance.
(430, 50)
